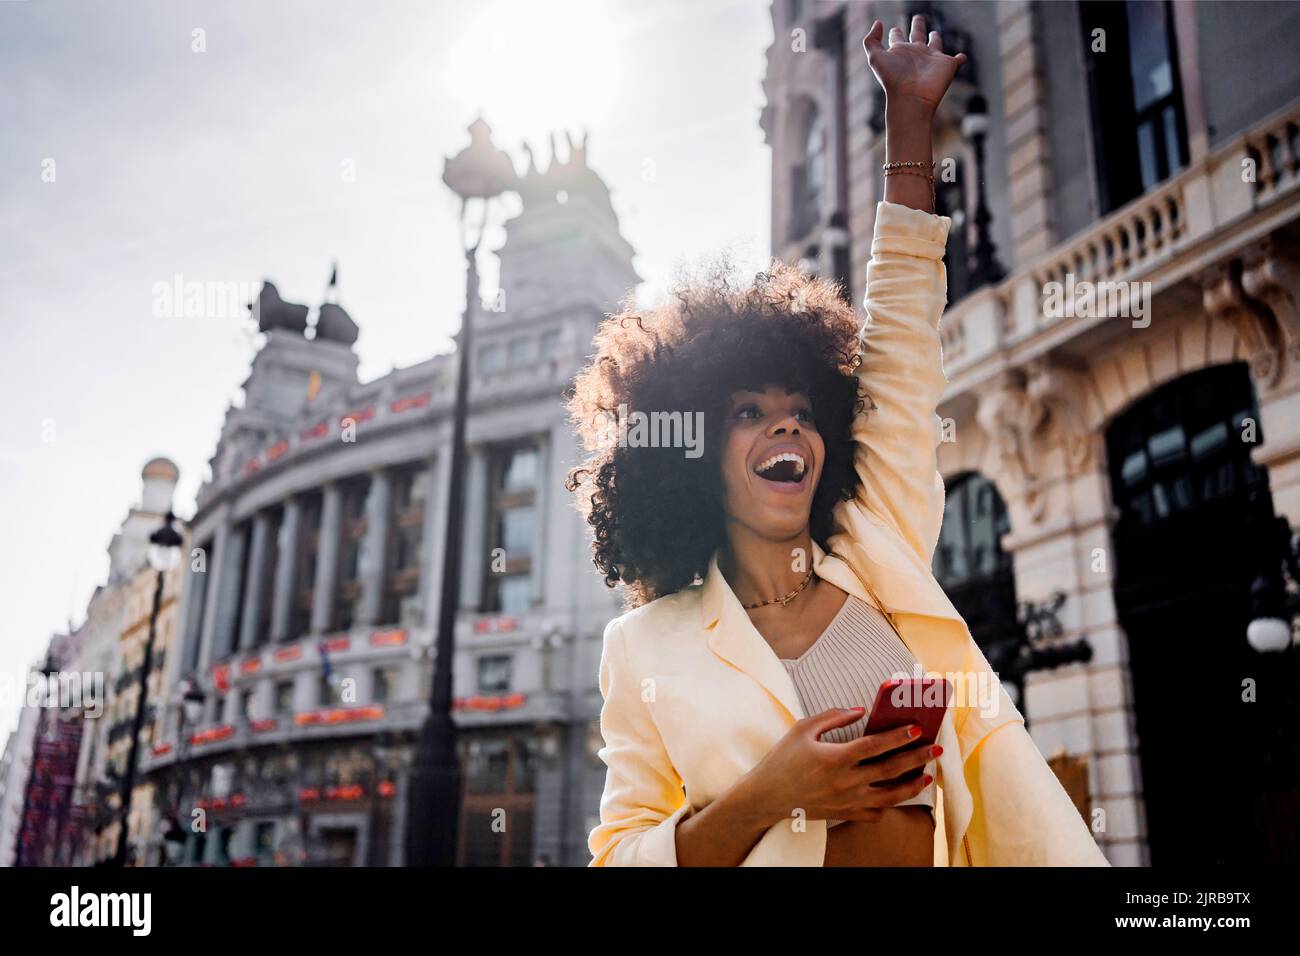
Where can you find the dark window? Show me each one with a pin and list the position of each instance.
(950, 200)
(1139, 131)
(264, 843)
(384, 684)
(244, 535)
(411, 487)
(352, 533)
(512, 529)
(1186, 445)
(284, 697)
(308, 550)
(975, 572)
(327, 691)
(808, 177)
(494, 674)
(274, 519)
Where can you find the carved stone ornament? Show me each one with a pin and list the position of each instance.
(1225, 300)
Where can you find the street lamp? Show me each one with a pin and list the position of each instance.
(1272, 608)
(187, 699)
(164, 551)
(984, 266)
(480, 172)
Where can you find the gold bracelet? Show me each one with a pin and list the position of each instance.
(902, 169)
(904, 164)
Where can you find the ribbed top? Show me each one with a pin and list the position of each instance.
(845, 667)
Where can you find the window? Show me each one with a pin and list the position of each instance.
(972, 568)
(352, 534)
(274, 519)
(1182, 447)
(808, 178)
(1138, 125)
(522, 351)
(264, 843)
(384, 684)
(550, 342)
(327, 692)
(246, 703)
(224, 836)
(308, 551)
(411, 487)
(490, 359)
(283, 698)
(974, 521)
(494, 674)
(950, 200)
(512, 529)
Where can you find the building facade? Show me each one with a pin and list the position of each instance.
(309, 606)
(110, 651)
(1122, 344)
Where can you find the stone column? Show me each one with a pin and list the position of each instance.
(1026, 122)
(327, 559)
(255, 585)
(286, 571)
(374, 556)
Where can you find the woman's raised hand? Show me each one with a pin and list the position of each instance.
(913, 70)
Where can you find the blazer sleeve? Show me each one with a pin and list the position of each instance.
(643, 800)
(897, 433)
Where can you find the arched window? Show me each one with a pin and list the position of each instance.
(969, 563)
(808, 177)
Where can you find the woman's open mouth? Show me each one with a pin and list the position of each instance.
(784, 472)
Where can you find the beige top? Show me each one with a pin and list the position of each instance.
(845, 667)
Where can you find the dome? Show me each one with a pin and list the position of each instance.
(162, 469)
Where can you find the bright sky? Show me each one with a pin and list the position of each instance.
(228, 165)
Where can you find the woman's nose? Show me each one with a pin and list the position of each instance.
(788, 425)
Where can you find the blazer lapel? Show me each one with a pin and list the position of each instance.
(733, 637)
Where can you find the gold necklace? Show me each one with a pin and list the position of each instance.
(785, 599)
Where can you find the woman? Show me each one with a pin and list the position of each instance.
(781, 571)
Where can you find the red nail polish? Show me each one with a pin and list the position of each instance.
(936, 750)
(927, 778)
(914, 732)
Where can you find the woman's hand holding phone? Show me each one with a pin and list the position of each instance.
(830, 781)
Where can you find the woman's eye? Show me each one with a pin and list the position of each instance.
(805, 414)
(748, 411)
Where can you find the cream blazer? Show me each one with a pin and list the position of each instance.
(694, 696)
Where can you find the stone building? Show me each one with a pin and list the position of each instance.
(1122, 342)
(111, 646)
(309, 615)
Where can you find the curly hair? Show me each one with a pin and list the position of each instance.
(657, 514)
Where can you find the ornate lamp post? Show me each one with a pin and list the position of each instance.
(480, 173)
(984, 265)
(164, 550)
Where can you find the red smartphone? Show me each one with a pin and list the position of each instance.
(921, 701)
